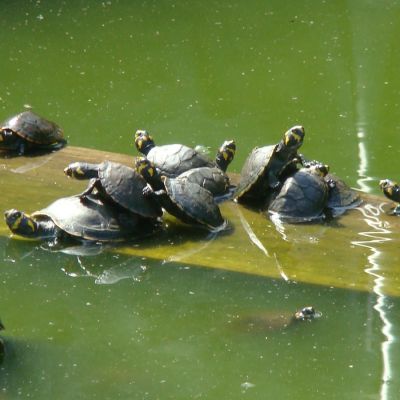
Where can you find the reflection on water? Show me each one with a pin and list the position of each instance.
(374, 238)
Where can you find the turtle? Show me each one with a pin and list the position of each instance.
(187, 201)
(262, 170)
(214, 179)
(391, 190)
(117, 184)
(275, 321)
(303, 196)
(70, 217)
(171, 160)
(341, 197)
(28, 132)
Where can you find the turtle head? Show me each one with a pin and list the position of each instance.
(20, 223)
(319, 169)
(74, 170)
(146, 168)
(293, 137)
(8, 139)
(143, 141)
(225, 154)
(306, 313)
(390, 189)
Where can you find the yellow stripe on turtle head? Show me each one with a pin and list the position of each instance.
(16, 223)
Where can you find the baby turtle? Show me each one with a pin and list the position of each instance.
(69, 217)
(275, 321)
(341, 197)
(27, 132)
(391, 190)
(264, 167)
(214, 179)
(171, 160)
(116, 184)
(303, 197)
(187, 201)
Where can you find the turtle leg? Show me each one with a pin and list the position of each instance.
(93, 184)
(21, 148)
(396, 210)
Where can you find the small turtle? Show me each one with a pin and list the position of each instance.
(303, 196)
(392, 191)
(117, 184)
(214, 179)
(187, 201)
(274, 321)
(171, 160)
(27, 132)
(264, 166)
(70, 217)
(341, 196)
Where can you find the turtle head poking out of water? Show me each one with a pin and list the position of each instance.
(276, 321)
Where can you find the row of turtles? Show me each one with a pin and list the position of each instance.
(123, 202)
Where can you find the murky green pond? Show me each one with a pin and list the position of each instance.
(162, 319)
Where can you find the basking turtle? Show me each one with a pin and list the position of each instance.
(341, 196)
(171, 160)
(117, 184)
(392, 191)
(264, 166)
(303, 196)
(70, 217)
(187, 201)
(27, 132)
(275, 321)
(214, 179)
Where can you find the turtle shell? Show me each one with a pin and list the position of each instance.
(212, 179)
(341, 196)
(252, 176)
(89, 219)
(125, 187)
(34, 128)
(302, 198)
(172, 160)
(193, 203)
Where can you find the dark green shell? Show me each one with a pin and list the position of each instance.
(193, 203)
(173, 159)
(212, 179)
(302, 198)
(86, 219)
(125, 186)
(254, 169)
(34, 128)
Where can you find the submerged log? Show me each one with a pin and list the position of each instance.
(348, 252)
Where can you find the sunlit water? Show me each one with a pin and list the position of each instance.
(116, 326)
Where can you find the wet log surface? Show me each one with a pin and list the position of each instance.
(348, 252)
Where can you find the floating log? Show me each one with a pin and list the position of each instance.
(353, 251)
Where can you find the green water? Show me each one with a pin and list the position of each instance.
(115, 326)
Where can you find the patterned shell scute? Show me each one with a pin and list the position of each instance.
(89, 219)
(173, 159)
(34, 128)
(212, 179)
(195, 201)
(125, 186)
(254, 167)
(302, 198)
